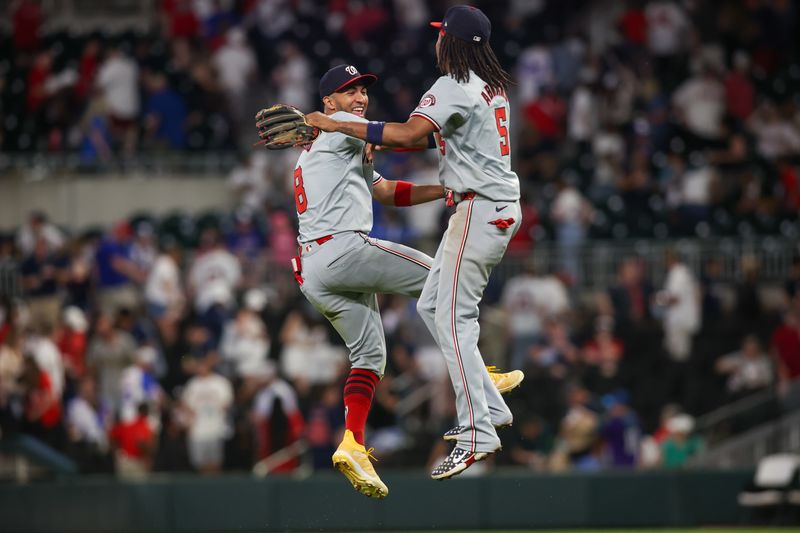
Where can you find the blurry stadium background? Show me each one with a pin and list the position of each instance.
(652, 296)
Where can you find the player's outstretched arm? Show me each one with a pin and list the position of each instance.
(411, 134)
(403, 193)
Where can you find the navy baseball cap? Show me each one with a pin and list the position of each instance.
(337, 78)
(467, 23)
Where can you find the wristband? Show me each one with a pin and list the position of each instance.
(402, 193)
(375, 133)
(431, 141)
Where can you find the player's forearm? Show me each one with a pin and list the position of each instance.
(421, 194)
(394, 134)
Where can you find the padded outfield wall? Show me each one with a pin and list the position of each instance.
(327, 503)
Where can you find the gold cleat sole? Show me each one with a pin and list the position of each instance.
(362, 484)
(516, 381)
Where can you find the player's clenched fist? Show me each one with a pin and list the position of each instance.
(283, 126)
(321, 121)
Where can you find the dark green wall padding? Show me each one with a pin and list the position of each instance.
(511, 500)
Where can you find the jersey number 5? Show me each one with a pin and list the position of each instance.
(300, 200)
(501, 119)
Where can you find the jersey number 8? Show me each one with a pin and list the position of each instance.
(300, 200)
(501, 119)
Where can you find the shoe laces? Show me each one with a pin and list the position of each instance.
(492, 368)
(370, 456)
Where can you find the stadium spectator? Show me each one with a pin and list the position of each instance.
(165, 113)
(245, 342)
(178, 19)
(163, 292)
(249, 182)
(532, 444)
(42, 273)
(40, 346)
(42, 417)
(700, 105)
(776, 135)
(680, 445)
(571, 214)
(27, 19)
(118, 84)
(748, 370)
(667, 31)
(87, 427)
(739, 90)
(143, 251)
(620, 430)
(308, 358)
(138, 385)
(134, 444)
(12, 365)
(207, 399)
(236, 64)
(325, 427)
(785, 343)
(680, 305)
(39, 228)
(116, 273)
(277, 419)
(578, 430)
(110, 351)
(72, 341)
(529, 301)
(214, 276)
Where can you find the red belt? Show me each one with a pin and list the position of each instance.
(452, 198)
(323, 240)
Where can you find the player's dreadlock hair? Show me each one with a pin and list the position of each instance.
(457, 57)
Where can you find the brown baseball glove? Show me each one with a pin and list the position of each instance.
(283, 126)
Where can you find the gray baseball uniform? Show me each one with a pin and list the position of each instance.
(472, 123)
(342, 267)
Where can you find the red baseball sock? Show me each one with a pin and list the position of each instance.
(358, 392)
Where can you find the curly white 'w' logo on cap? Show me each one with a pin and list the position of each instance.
(351, 70)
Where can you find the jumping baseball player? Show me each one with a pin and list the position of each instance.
(467, 110)
(341, 269)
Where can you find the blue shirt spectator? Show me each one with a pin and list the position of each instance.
(165, 112)
(109, 257)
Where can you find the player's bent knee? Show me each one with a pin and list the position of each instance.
(426, 308)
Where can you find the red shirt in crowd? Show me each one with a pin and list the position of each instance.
(42, 399)
(634, 26)
(546, 115)
(791, 186)
(133, 438)
(740, 95)
(182, 19)
(786, 342)
(27, 21)
(36, 78)
(72, 345)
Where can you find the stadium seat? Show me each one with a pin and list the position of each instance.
(769, 490)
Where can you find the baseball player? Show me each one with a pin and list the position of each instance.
(341, 269)
(467, 110)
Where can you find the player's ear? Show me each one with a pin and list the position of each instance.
(327, 104)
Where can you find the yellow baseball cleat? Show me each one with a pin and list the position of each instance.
(353, 460)
(505, 381)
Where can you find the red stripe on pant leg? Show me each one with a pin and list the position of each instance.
(453, 324)
(400, 254)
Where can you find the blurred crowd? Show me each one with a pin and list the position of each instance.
(169, 345)
(131, 352)
(650, 119)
